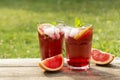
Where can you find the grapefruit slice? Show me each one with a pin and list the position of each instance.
(40, 31)
(82, 32)
(54, 63)
(101, 58)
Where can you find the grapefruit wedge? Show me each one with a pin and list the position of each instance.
(101, 58)
(54, 63)
(40, 31)
(88, 28)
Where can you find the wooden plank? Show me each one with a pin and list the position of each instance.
(35, 78)
(58, 78)
(19, 62)
(36, 71)
(31, 62)
(95, 73)
(20, 72)
(23, 69)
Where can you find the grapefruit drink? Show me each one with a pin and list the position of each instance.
(78, 43)
(50, 40)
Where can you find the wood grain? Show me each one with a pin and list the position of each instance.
(27, 69)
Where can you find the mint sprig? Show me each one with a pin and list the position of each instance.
(78, 22)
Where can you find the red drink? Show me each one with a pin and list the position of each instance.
(78, 48)
(50, 40)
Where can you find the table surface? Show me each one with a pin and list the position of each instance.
(27, 69)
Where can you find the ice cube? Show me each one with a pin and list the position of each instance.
(73, 32)
(57, 32)
(50, 32)
(66, 31)
(52, 36)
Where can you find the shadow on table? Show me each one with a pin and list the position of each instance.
(92, 74)
(115, 66)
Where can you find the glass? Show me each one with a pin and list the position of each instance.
(50, 40)
(78, 43)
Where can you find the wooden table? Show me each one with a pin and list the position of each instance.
(27, 69)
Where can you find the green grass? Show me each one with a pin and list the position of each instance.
(18, 20)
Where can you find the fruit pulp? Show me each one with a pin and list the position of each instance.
(54, 63)
(50, 47)
(101, 58)
(78, 51)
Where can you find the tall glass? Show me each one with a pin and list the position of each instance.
(50, 40)
(78, 47)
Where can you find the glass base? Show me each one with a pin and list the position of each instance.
(83, 68)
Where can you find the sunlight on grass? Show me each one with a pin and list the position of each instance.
(19, 19)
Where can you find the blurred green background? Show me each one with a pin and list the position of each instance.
(19, 18)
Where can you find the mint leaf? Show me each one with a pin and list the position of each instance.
(78, 22)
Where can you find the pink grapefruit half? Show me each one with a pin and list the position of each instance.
(101, 58)
(54, 63)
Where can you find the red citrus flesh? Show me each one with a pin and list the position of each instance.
(101, 58)
(53, 63)
(83, 32)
